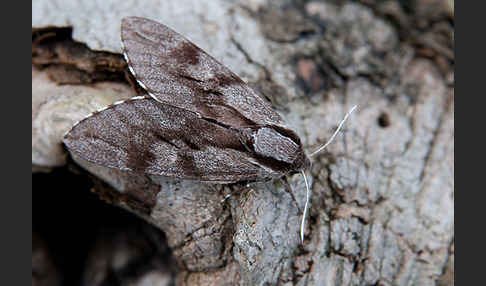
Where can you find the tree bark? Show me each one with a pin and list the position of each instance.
(382, 205)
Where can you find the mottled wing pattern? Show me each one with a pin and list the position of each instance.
(146, 136)
(175, 71)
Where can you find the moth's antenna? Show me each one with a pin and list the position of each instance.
(335, 132)
(305, 178)
(305, 208)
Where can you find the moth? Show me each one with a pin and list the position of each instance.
(198, 121)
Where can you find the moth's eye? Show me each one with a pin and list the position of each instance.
(270, 143)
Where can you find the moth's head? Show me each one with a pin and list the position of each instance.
(281, 147)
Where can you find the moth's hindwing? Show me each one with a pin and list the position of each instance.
(175, 71)
(146, 136)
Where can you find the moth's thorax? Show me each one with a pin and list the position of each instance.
(278, 147)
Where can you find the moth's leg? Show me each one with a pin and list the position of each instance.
(288, 189)
(234, 188)
(227, 196)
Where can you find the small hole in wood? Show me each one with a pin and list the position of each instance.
(384, 120)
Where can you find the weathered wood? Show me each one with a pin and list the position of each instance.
(382, 207)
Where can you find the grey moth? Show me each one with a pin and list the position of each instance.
(198, 121)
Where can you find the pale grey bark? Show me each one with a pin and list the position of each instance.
(382, 207)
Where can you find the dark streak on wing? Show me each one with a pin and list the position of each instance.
(160, 137)
(223, 113)
(186, 52)
(139, 157)
(187, 163)
(184, 76)
(146, 136)
(177, 72)
(223, 80)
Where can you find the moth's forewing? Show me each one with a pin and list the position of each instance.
(201, 122)
(146, 136)
(175, 71)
